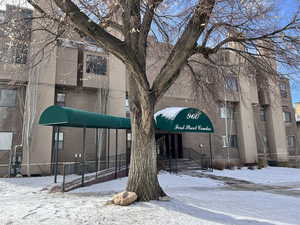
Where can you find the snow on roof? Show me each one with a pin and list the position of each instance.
(74, 44)
(169, 113)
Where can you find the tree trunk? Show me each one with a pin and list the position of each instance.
(142, 177)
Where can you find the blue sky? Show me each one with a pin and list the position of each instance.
(288, 8)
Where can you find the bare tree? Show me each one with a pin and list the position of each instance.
(192, 29)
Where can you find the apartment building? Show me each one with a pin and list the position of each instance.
(297, 115)
(250, 121)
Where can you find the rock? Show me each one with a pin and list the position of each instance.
(124, 198)
(164, 198)
(109, 202)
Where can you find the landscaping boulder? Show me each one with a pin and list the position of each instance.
(164, 198)
(124, 198)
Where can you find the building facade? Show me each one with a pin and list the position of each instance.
(251, 123)
(297, 115)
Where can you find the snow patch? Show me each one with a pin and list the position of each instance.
(268, 176)
(194, 201)
(74, 44)
(166, 180)
(169, 113)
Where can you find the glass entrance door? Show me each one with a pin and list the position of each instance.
(169, 146)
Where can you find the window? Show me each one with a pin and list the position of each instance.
(230, 141)
(291, 141)
(231, 83)
(287, 117)
(265, 141)
(21, 54)
(6, 141)
(96, 64)
(127, 111)
(283, 89)
(226, 111)
(90, 40)
(263, 114)
(60, 99)
(2, 16)
(13, 53)
(60, 140)
(7, 97)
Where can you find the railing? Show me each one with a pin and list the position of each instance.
(76, 174)
(203, 159)
(169, 165)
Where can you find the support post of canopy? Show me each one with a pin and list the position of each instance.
(127, 154)
(116, 156)
(83, 157)
(108, 146)
(176, 152)
(56, 153)
(97, 151)
(170, 152)
(210, 150)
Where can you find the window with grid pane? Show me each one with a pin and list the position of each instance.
(96, 64)
(60, 99)
(283, 89)
(7, 97)
(226, 111)
(263, 114)
(287, 117)
(230, 141)
(291, 141)
(231, 83)
(60, 140)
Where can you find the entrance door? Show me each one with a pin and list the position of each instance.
(169, 146)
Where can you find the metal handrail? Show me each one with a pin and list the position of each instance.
(199, 158)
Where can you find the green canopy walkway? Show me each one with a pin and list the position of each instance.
(172, 119)
(70, 117)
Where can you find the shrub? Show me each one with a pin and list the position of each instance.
(262, 163)
(219, 165)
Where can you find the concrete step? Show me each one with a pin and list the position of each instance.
(184, 164)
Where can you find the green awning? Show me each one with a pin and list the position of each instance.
(70, 117)
(173, 119)
(180, 119)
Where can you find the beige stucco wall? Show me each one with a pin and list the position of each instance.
(297, 110)
(41, 94)
(66, 67)
(276, 126)
(117, 99)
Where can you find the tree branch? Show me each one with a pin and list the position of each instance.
(93, 30)
(114, 45)
(146, 24)
(182, 50)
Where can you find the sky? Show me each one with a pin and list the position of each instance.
(23, 3)
(287, 8)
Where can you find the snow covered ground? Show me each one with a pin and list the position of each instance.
(269, 176)
(194, 201)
